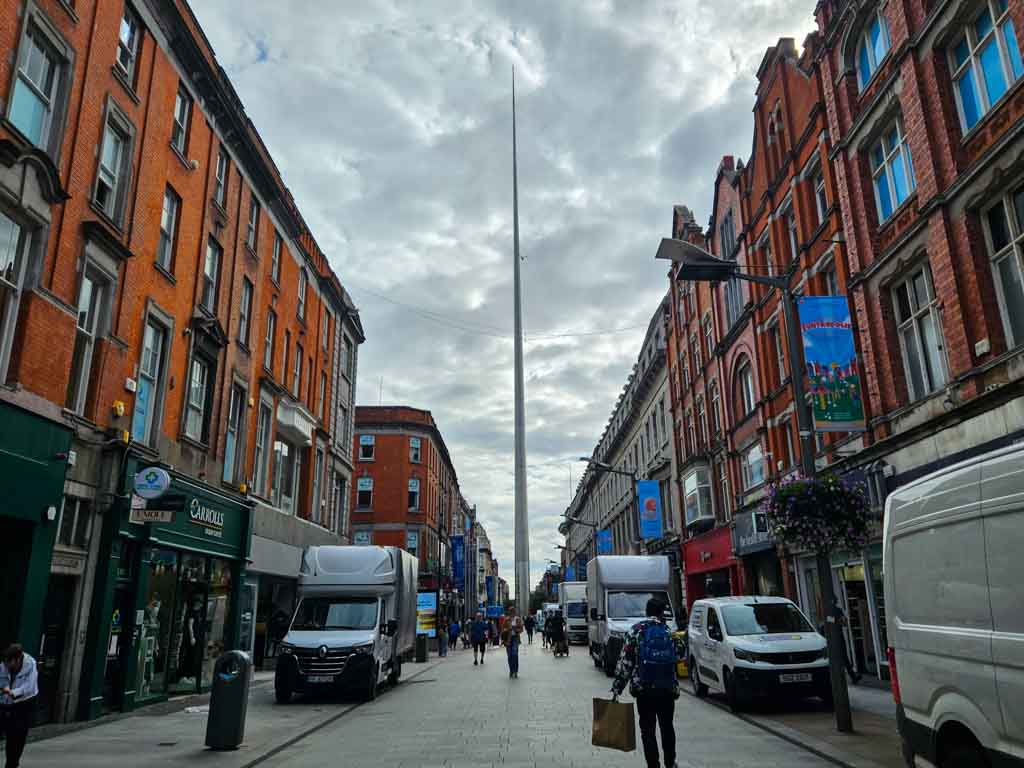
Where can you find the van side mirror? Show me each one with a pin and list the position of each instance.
(392, 627)
(593, 614)
(715, 633)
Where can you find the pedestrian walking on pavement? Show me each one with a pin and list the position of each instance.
(511, 637)
(442, 638)
(19, 686)
(478, 637)
(453, 634)
(530, 623)
(648, 664)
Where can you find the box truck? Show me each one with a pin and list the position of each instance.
(618, 588)
(572, 599)
(355, 620)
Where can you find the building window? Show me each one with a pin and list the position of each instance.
(325, 332)
(830, 279)
(14, 240)
(661, 420)
(920, 333)
(775, 334)
(211, 271)
(245, 311)
(182, 118)
(301, 311)
(412, 542)
(985, 61)
(339, 523)
(259, 465)
(414, 495)
(892, 170)
(691, 433)
(349, 362)
(873, 48)
(791, 233)
(112, 174)
(275, 259)
(220, 186)
(92, 295)
(695, 349)
(725, 491)
(346, 443)
(745, 390)
(709, 335)
(252, 230)
(128, 43)
(820, 195)
(727, 235)
(415, 454)
(697, 497)
(150, 383)
(364, 492)
(268, 341)
(197, 400)
(232, 439)
(297, 371)
(285, 475)
(168, 229)
(752, 461)
(323, 395)
(287, 352)
(75, 519)
(317, 511)
(702, 421)
(1005, 224)
(716, 409)
(39, 79)
(367, 445)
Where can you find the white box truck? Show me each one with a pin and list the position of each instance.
(572, 599)
(355, 620)
(618, 588)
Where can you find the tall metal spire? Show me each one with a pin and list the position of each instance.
(522, 520)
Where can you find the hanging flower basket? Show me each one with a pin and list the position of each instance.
(826, 514)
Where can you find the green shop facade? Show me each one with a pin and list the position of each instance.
(171, 596)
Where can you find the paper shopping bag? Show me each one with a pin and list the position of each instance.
(614, 725)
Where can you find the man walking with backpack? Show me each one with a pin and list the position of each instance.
(648, 664)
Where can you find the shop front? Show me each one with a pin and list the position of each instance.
(172, 597)
(711, 568)
(756, 550)
(33, 463)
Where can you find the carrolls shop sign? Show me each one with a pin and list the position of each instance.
(210, 519)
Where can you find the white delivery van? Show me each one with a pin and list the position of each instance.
(572, 598)
(746, 647)
(954, 591)
(618, 588)
(355, 620)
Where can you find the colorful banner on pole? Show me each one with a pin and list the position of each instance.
(649, 496)
(459, 561)
(570, 573)
(604, 542)
(489, 581)
(833, 372)
(426, 614)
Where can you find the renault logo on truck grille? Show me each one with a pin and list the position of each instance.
(322, 652)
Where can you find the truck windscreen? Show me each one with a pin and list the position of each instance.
(576, 610)
(631, 605)
(319, 613)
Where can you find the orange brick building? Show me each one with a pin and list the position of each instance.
(163, 305)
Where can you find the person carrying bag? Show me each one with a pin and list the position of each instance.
(614, 725)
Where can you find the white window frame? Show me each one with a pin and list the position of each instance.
(113, 174)
(285, 499)
(325, 331)
(414, 497)
(820, 193)
(726, 491)
(789, 218)
(751, 477)
(152, 371)
(260, 472)
(252, 231)
(972, 67)
(695, 347)
(415, 450)
(300, 310)
(933, 370)
(220, 186)
(15, 249)
(182, 119)
(79, 509)
(367, 441)
(747, 390)
(865, 43)
(883, 173)
(716, 407)
(297, 372)
(90, 325)
(1012, 255)
(365, 481)
(211, 275)
(316, 507)
(245, 311)
(702, 420)
(51, 93)
(235, 425)
(129, 39)
(269, 339)
(197, 399)
(275, 258)
(322, 402)
(168, 240)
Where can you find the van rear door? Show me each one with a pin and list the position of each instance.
(1002, 500)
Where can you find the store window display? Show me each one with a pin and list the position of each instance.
(186, 646)
(155, 632)
(218, 615)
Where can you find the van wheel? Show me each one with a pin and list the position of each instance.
(699, 689)
(396, 671)
(964, 756)
(731, 693)
(371, 688)
(282, 692)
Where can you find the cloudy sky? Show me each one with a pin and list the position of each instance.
(391, 122)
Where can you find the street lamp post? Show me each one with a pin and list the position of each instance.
(697, 264)
(602, 466)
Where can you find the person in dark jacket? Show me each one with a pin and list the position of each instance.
(530, 624)
(478, 629)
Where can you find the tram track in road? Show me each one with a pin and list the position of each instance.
(331, 720)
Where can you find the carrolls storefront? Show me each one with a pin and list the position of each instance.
(711, 569)
(172, 597)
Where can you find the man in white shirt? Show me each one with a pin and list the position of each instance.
(19, 686)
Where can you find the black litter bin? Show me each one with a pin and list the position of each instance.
(421, 648)
(229, 698)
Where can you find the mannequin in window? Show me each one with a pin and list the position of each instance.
(190, 654)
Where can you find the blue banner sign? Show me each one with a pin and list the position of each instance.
(489, 581)
(649, 497)
(570, 573)
(494, 611)
(554, 590)
(832, 370)
(604, 542)
(458, 560)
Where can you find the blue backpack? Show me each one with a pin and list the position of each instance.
(657, 657)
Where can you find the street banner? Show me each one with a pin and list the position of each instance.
(649, 496)
(604, 542)
(581, 567)
(554, 589)
(489, 581)
(833, 373)
(494, 611)
(458, 559)
(426, 614)
(570, 573)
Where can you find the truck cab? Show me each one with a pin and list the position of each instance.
(573, 601)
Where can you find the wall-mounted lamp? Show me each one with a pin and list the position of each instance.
(51, 513)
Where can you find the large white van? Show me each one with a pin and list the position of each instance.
(755, 646)
(954, 592)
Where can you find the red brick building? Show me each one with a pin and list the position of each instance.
(406, 491)
(162, 303)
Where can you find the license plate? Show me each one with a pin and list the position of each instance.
(796, 677)
(320, 679)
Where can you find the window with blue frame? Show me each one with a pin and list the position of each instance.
(892, 170)
(985, 62)
(873, 48)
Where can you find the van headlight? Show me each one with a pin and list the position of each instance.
(616, 634)
(366, 648)
(743, 655)
(286, 648)
(823, 653)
